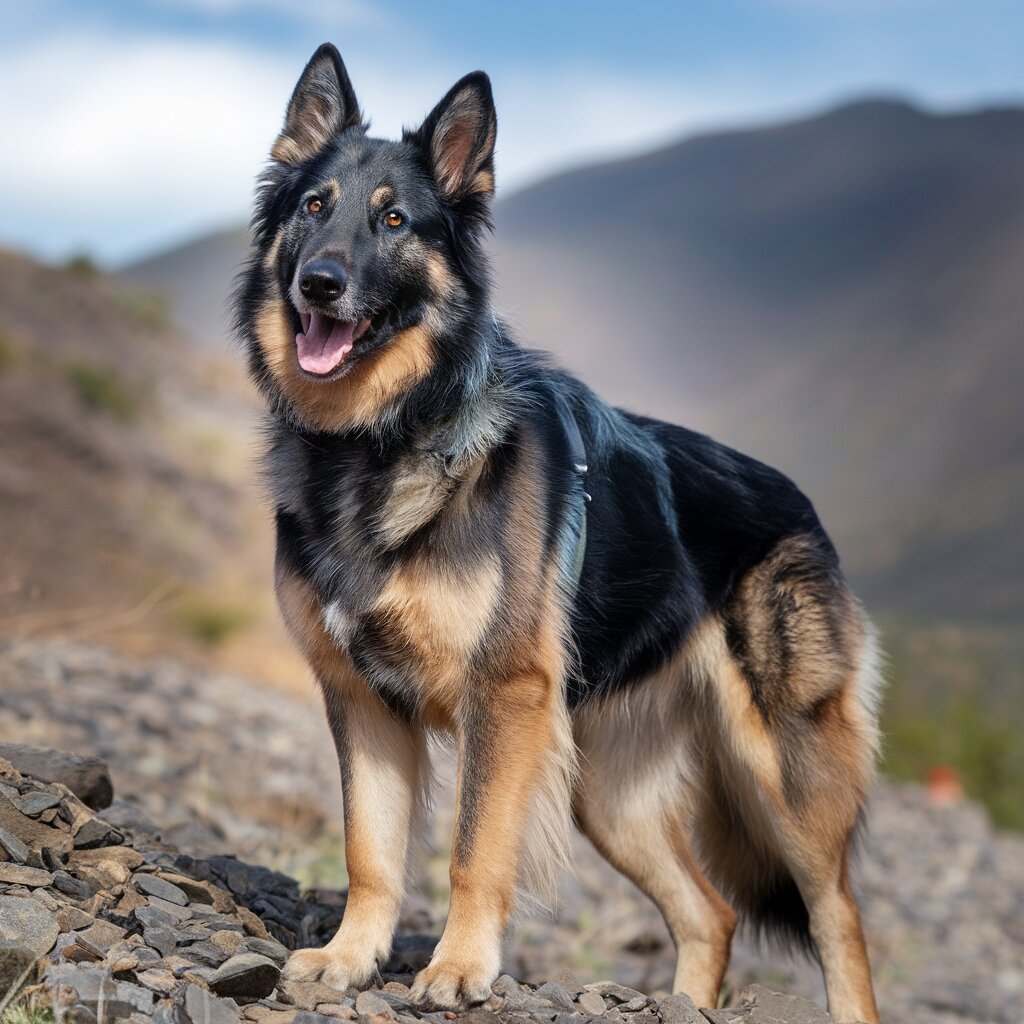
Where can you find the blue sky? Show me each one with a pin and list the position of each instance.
(131, 125)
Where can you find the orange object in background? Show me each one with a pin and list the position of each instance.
(944, 786)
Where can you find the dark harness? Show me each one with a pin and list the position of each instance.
(578, 460)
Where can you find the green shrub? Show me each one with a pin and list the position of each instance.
(99, 388)
(943, 709)
(28, 1010)
(212, 621)
(82, 265)
(10, 353)
(147, 307)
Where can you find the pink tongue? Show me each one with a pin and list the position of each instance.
(324, 344)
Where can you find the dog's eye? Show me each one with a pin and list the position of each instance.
(314, 205)
(393, 219)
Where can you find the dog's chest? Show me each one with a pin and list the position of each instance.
(412, 623)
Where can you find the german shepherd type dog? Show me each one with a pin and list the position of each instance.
(621, 623)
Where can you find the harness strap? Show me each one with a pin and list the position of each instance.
(578, 457)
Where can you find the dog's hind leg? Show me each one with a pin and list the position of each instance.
(634, 803)
(795, 696)
(799, 797)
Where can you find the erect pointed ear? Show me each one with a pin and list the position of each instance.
(458, 137)
(322, 105)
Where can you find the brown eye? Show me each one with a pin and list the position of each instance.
(315, 205)
(393, 219)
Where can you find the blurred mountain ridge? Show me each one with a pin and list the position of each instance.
(837, 295)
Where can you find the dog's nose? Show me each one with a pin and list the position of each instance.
(322, 280)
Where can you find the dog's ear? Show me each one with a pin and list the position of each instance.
(323, 104)
(458, 138)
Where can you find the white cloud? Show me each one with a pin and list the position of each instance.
(120, 144)
(334, 13)
(123, 144)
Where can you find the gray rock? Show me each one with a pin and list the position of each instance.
(17, 963)
(591, 1003)
(556, 995)
(35, 803)
(309, 1017)
(27, 923)
(203, 1008)
(636, 1004)
(569, 982)
(95, 989)
(370, 1003)
(163, 940)
(71, 919)
(153, 917)
(173, 910)
(246, 975)
(759, 1005)
(15, 848)
(102, 935)
(96, 832)
(21, 874)
(154, 885)
(512, 995)
(410, 952)
(86, 777)
(679, 1009)
(71, 886)
(205, 953)
(308, 995)
(268, 947)
(618, 993)
(157, 979)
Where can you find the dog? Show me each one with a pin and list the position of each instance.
(621, 624)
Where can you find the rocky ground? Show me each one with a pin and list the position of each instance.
(144, 909)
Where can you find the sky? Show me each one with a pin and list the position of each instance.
(129, 126)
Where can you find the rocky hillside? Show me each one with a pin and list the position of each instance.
(98, 923)
(128, 496)
(145, 907)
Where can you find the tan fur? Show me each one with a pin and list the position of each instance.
(443, 615)
(442, 282)
(651, 757)
(363, 395)
(270, 260)
(483, 182)
(313, 131)
(640, 767)
(519, 728)
(382, 195)
(385, 775)
(421, 489)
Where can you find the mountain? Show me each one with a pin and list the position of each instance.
(838, 295)
(196, 278)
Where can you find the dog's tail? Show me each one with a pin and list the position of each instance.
(749, 873)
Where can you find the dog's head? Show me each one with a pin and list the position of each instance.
(366, 250)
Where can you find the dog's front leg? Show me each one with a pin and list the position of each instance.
(382, 773)
(505, 746)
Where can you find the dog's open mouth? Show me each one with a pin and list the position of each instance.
(323, 344)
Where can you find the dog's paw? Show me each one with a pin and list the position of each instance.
(330, 967)
(448, 985)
